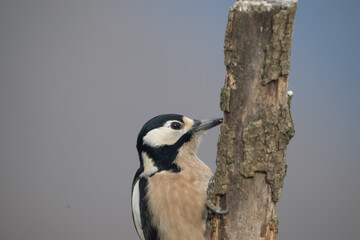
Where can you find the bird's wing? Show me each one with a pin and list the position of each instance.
(140, 211)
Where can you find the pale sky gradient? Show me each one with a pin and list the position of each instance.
(78, 78)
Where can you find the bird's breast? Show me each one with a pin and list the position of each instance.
(177, 200)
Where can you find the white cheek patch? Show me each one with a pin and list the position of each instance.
(165, 135)
(160, 136)
(149, 166)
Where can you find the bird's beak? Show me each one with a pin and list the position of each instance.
(206, 124)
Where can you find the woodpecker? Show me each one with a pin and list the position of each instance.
(169, 188)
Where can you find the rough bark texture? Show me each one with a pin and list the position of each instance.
(257, 123)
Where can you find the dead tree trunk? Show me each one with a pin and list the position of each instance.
(257, 123)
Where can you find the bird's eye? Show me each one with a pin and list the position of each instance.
(175, 125)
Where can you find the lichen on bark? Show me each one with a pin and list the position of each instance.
(265, 144)
(225, 99)
(224, 157)
(277, 58)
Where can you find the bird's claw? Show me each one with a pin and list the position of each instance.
(210, 205)
(215, 209)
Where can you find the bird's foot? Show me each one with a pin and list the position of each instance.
(211, 206)
(215, 209)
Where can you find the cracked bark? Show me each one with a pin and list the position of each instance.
(257, 123)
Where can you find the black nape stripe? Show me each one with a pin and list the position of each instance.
(165, 156)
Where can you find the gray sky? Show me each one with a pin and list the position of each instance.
(79, 78)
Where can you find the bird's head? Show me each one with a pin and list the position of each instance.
(162, 137)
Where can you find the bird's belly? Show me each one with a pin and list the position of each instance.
(177, 202)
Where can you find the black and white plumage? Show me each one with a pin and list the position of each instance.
(169, 188)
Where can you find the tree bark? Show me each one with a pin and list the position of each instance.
(257, 124)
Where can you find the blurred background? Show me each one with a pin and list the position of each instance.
(78, 79)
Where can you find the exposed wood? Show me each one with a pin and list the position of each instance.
(257, 123)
